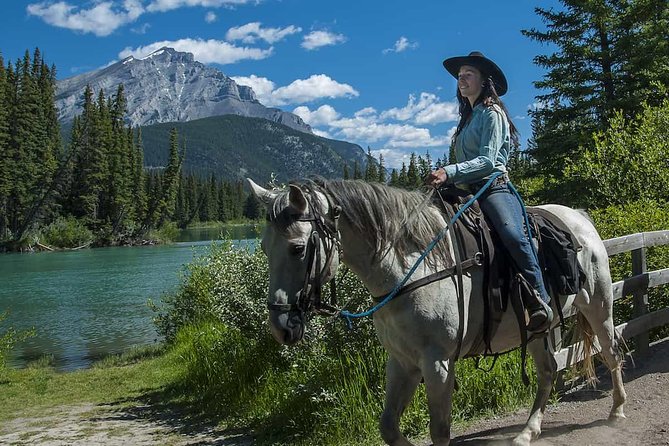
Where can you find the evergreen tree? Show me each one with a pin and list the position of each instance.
(252, 207)
(382, 170)
(394, 178)
(346, 174)
(371, 172)
(609, 54)
(139, 196)
(170, 180)
(4, 149)
(403, 177)
(357, 175)
(413, 176)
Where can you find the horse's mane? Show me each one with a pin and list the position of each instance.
(391, 218)
(386, 217)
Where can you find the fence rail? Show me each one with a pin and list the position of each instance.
(637, 286)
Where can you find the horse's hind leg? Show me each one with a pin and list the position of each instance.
(400, 387)
(599, 315)
(546, 368)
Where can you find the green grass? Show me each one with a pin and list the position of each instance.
(38, 388)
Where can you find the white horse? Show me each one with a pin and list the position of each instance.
(381, 232)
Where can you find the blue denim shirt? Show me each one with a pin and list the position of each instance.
(482, 147)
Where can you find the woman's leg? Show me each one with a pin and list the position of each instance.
(503, 210)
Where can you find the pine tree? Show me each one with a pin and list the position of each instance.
(413, 176)
(382, 170)
(403, 177)
(4, 150)
(346, 174)
(610, 54)
(139, 196)
(371, 172)
(394, 178)
(357, 175)
(170, 180)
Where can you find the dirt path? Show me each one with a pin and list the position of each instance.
(579, 419)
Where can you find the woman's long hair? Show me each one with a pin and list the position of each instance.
(488, 97)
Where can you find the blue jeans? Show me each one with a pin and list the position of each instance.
(504, 212)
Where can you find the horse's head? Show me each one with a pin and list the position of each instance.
(301, 243)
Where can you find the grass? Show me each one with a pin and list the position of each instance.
(37, 388)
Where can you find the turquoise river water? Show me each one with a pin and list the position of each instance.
(93, 302)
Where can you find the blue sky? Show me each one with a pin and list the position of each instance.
(364, 71)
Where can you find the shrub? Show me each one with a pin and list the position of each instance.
(641, 216)
(9, 338)
(326, 390)
(66, 232)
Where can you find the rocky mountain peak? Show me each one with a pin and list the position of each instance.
(168, 86)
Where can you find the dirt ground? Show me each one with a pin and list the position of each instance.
(579, 419)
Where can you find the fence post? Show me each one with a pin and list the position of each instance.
(640, 298)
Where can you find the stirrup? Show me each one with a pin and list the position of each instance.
(540, 319)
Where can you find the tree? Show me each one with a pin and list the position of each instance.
(5, 165)
(371, 171)
(617, 169)
(609, 54)
(346, 174)
(382, 170)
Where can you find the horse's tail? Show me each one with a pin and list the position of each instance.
(585, 368)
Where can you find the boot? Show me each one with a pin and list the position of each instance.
(540, 315)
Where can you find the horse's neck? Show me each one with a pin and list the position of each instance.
(379, 275)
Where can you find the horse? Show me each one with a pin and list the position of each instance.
(379, 231)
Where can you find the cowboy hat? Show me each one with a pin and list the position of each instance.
(487, 67)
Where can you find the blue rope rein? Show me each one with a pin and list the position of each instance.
(348, 316)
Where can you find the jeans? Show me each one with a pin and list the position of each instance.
(505, 213)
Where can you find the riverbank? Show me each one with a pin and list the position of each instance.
(123, 399)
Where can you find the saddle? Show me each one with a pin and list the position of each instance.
(502, 284)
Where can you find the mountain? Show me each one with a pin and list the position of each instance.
(234, 147)
(168, 86)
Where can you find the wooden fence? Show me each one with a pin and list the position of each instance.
(637, 285)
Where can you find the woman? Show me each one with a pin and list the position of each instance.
(483, 141)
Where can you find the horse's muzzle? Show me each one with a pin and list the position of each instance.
(287, 327)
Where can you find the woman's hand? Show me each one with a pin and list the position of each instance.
(436, 177)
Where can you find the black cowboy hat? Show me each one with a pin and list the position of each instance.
(487, 67)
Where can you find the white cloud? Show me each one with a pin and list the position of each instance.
(402, 44)
(394, 135)
(101, 19)
(426, 110)
(539, 105)
(315, 87)
(205, 51)
(168, 5)
(317, 39)
(210, 17)
(142, 29)
(261, 86)
(253, 31)
(323, 115)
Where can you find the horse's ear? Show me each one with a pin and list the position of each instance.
(264, 195)
(297, 200)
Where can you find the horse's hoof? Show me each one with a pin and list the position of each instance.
(522, 440)
(616, 418)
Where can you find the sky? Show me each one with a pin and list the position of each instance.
(366, 71)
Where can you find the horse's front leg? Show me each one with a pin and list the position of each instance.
(439, 378)
(546, 366)
(400, 387)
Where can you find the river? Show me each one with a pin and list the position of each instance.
(90, 303)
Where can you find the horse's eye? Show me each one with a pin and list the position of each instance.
(297, 250)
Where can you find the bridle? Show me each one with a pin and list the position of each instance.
(326, 231)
